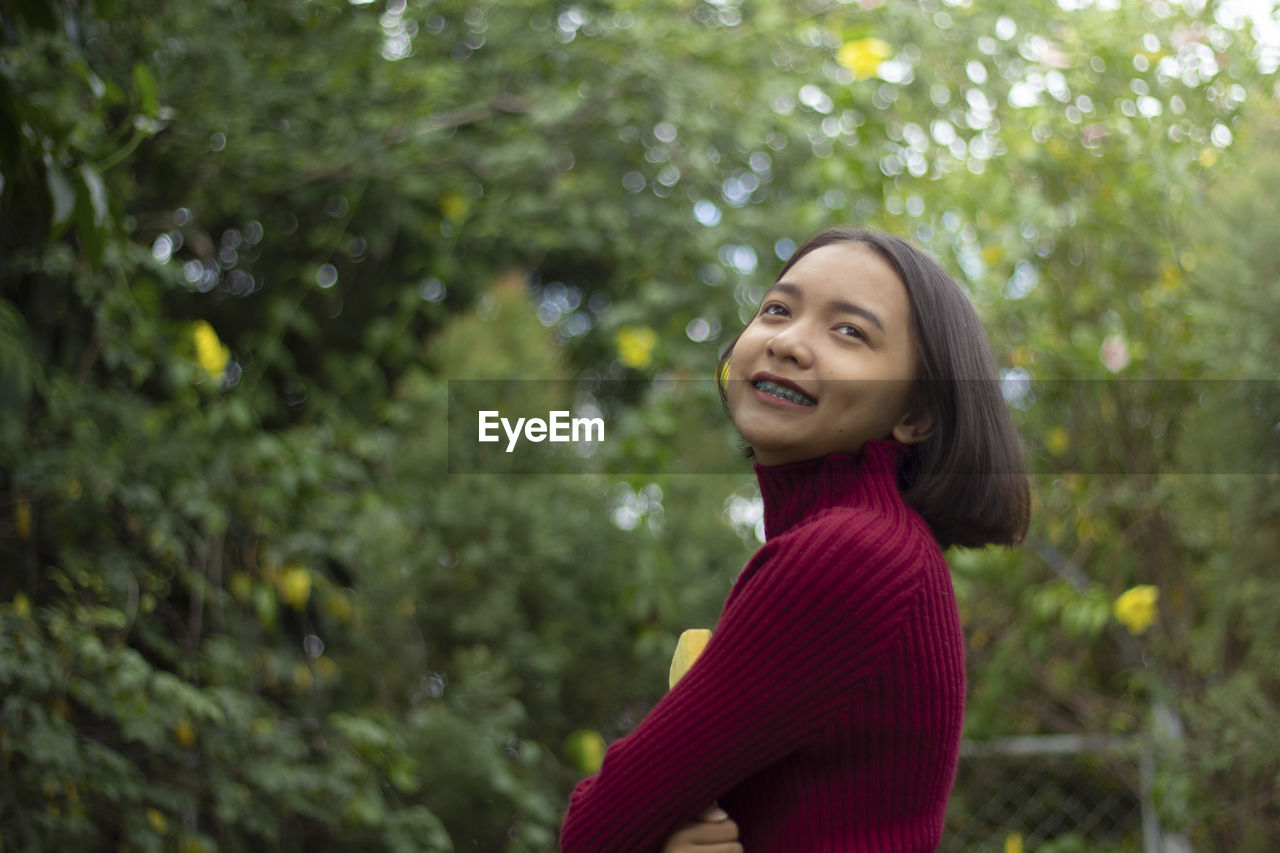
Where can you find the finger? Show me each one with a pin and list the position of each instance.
(703, 832)
(693, 838)
(713, 813)
(677, 845)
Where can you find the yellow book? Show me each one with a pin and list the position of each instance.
(688, 647)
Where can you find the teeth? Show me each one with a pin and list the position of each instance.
(785, 393)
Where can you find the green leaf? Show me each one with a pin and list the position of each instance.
(97, 193)
(61, 193)
(92, 215)
(145, 83)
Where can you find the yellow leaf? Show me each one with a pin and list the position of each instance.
(688, 648)
(1136, 608)
(1013, 843)
(22, 606)
(863, 57)
(992, 254)
(185, 734)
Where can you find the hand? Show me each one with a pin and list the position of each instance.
(711, 832)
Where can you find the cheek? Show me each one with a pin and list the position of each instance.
(748, 343)
(734, 389)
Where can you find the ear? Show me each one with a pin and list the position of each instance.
(915, 426)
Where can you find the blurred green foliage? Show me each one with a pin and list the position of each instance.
(243, 604)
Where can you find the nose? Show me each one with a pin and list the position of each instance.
(789, 344)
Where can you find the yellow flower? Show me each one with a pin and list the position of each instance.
(1136, 608)
(454, 205)
(326, 667)
(635, 345)
(185, 733)
(1058, 441)
(158, 822)
(295, 586)
(22, 518)
(211, 353)
(241, 585)
(339, 607)
(863, 56)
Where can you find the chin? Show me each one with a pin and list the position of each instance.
(772, 454)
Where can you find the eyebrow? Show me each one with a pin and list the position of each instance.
(838, 304)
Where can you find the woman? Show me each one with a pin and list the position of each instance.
(825, 713)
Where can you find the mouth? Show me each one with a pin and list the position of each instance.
(783, 391)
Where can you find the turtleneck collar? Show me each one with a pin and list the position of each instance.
(796, 490)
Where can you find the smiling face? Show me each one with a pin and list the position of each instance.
(829, 360)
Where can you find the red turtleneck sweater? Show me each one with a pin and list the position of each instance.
(824, 715)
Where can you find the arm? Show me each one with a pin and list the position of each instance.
(810, 615)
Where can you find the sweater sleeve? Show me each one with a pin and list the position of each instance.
(810, 616)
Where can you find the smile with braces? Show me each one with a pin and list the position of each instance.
(785, 393)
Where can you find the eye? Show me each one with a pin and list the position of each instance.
(851, 330)
(774, 309)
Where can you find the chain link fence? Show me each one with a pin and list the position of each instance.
(1050, 794)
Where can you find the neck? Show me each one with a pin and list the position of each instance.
(797, 490)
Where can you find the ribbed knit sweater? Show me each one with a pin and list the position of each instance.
(824, 715)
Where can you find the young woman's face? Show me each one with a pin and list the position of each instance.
(828, 362)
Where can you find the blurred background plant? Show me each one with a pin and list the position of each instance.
(244, 247)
